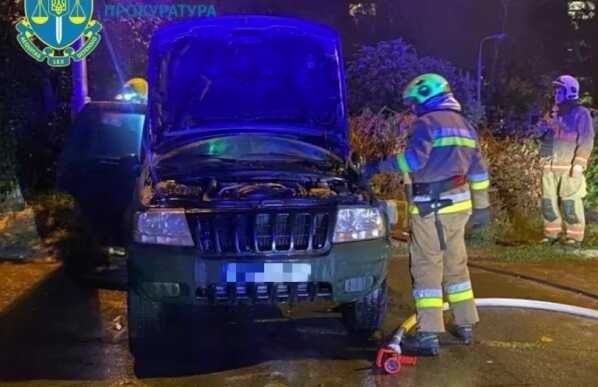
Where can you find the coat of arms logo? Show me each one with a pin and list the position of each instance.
(58, 25)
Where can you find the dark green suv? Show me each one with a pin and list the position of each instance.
(247, 191)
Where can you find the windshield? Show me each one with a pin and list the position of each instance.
(249, 77)
(241, 148)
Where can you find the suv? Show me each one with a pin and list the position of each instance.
(247, 193)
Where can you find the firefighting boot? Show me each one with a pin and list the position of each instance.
(421, 344)
(464, 333)
(571, 246)
(549, 241)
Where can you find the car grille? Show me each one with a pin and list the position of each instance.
(259, 233)
(264, 293)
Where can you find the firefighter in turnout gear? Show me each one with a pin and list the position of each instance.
(567, 142)
(449, 189)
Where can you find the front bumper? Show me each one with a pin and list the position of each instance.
(346, 273)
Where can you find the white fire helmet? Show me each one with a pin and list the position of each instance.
(566, 88)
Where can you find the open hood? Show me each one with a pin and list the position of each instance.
(225, 75)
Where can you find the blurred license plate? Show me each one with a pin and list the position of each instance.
(266, 272)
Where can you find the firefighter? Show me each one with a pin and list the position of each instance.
(134, 90)
(567, 141)
(449, 183)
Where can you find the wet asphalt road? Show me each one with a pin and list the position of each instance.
(60, 333)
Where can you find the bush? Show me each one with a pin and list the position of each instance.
(377, 135)
(516, 174)
(591, 200)
(378, 74)
(516, 185)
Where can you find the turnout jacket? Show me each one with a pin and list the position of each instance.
(567, 139)
(442, 145)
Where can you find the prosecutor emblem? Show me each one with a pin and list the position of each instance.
(57, 25)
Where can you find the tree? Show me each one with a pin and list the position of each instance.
(378, 74)
(34, 109)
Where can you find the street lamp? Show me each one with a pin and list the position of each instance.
(498, 36)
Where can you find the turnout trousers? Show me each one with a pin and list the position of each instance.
(437, 273)
(571, 191)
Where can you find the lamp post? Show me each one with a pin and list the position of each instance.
(498, 36)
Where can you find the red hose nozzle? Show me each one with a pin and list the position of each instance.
(390, 361)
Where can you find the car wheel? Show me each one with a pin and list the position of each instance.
(365, 315)
(155, 327)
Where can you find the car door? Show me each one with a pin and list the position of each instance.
(101, 163)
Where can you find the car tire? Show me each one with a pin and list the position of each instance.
(155, 327)
(365, 316)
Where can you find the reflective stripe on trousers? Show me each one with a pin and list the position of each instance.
(431, 267)
(428, 298)
(570, 190)
(459, 292)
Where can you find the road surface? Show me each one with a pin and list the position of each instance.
(56, 332)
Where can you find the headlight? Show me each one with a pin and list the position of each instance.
(163, 227)
(356, 224)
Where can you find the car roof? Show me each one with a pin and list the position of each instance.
(114, 106)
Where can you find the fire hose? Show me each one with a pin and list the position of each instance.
(389, 358)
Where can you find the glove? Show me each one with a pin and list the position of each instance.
(480, 218)
(576, 170)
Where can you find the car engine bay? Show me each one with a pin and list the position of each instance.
(213, 190)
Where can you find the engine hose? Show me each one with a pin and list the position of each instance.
(411, 321)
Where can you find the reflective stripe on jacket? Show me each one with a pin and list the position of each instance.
(568, 139)
(461, 198)
(442, 145)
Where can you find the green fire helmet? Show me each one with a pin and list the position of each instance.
(424, 87)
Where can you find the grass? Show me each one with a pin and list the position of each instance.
(519, 242)
(527, 253)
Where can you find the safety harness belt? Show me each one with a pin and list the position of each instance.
(435, 204)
